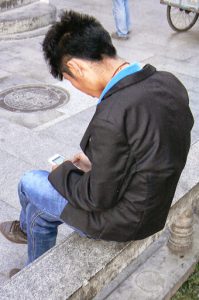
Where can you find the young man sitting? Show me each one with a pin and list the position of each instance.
(121, 186)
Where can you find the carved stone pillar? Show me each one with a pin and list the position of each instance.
(180, 240)
(196, 206)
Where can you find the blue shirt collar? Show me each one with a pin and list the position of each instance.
(131, 69)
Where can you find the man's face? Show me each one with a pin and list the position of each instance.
(85, 79)
(79, 84)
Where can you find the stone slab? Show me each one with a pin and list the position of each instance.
(31, 120)
(28, 18)
(21, 151)
(191, 83)
(30, 146)
(11, 171)
(78, 100)
(194, 98)
(136, 54)
(70, 131)
(108, 289)
(26, 35)
(173, 65)
(76, 265)
(18, 65)
(3, 74)
(14, 80)
(190, 174)
(10, 4)
(159, 277)
(11, 255)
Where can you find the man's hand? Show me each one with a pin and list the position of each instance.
(82, 162)
(54, 167)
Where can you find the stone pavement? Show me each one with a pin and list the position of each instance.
(24, 147)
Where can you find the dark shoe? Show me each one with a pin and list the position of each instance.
(13, 272)
(12, 231)
(115, 36)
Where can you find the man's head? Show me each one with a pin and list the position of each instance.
(75, 47)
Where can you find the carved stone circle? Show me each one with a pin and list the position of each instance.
(150, 281)
(32, 98)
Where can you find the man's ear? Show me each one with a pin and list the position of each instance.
(75, 66)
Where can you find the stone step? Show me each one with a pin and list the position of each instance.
(159, 276)
(26, 35)
(10, 4)
(27, 18)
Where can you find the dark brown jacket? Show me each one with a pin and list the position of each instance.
(137, 141)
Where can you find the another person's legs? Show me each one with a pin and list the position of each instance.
(122, 18)
(128, 16)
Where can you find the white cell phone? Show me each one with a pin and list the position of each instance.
(56, 159)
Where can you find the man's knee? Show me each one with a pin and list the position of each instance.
(32, 181)
(27, 181)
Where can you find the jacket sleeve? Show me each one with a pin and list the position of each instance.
(99, 188)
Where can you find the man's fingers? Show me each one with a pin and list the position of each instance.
(75, 160)
(54, 167)
(76, 157)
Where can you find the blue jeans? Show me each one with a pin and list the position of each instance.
(41, 206)
(122, 17)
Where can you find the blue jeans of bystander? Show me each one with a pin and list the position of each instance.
(122, 17)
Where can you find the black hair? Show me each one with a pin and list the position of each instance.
(76, 35)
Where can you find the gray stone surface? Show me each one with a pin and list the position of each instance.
(10, 4)
(26, 19)
(23, 150)
(11, 256)
(132, 267)
(9, 179)
(160, 276)
(189, 176)
(70, 131)
(185, 66)
(3, 74)
(77, 267)
(32, 120)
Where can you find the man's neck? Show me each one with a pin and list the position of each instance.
(110, 68)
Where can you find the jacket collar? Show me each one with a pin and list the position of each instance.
(147, 71)
(131, 69)
(131, 79)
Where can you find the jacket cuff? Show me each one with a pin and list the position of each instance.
(60, 177)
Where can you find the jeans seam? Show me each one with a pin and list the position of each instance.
(31, 226)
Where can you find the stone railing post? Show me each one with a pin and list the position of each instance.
(196, 206)
(181, 233)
